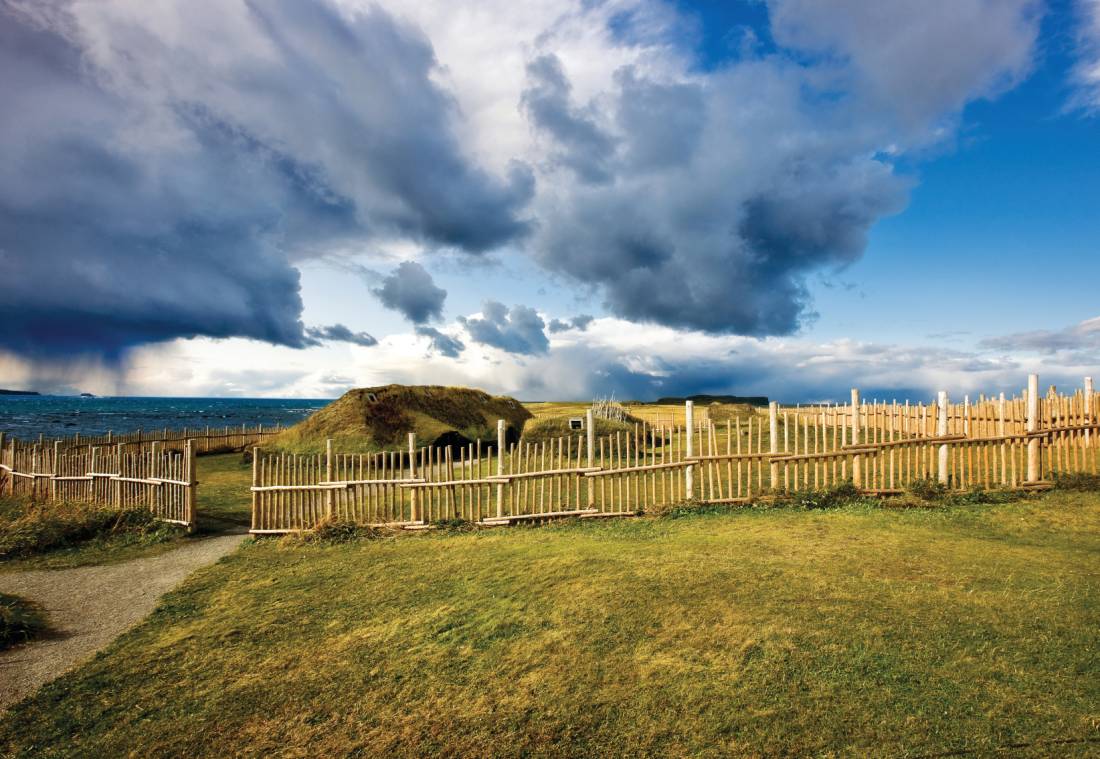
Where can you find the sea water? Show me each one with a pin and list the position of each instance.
(28, 416)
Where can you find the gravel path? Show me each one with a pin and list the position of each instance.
(88, 607)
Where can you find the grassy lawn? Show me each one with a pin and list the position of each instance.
(223, 493)
(855, 631)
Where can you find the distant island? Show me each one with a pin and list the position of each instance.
(752, 400)
(18, 392)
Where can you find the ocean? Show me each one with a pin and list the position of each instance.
(27, 416)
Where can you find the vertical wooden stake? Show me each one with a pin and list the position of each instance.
(857, 460)
(53, 469)
(330, 495)
(1088, 409)
(1002, 430)
(500, 467)
(689, 470)
(941, 431)
(590, 444)
(192, 483)
(414, 506)
(255, 484)
(773, 442)
(1033, 456)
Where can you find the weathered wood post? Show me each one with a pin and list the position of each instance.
(330, 494)
(11, 461)
(54, 469)
(590, 445)
(500, 467)
(414, 501)
(192, 483)
(857, 460)
(966, 415)
(255, 484)
(689, 470)
(773, 442)
(1033, 443)
(151, 471)
(1088, 409)
(1002, 430)
(93, 460)
(941, 431)
(117, 488)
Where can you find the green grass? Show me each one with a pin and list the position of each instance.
(850, 631)
(20, 621)
(223, 492)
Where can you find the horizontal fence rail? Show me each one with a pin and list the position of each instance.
(880, 448)
(159, 478)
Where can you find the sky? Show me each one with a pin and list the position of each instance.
(549, 199)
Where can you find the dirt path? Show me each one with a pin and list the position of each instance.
(88, 607)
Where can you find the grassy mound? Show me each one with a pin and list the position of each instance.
(20, 620)
(729, 412)
(29, 529)
(380, 418)
(545, 429)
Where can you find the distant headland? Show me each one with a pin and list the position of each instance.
(18, 392)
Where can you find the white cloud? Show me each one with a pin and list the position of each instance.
(1087, 72)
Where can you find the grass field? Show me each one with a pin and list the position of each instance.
(223, 493)
(862, 631)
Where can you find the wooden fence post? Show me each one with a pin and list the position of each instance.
(689, 470)
(54, 468)
(500, 467)
(941, 431)
(1002, 430)
(150, 471)
(1033, 455)
(1088, 409)
(773, 442)
(413, 501)
(590, 444)
(192, 483)
(255, 484)
(330, 495)
(857, 460)
(11, 480)
(93, 460)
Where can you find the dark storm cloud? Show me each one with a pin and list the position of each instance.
(159, 174)
(582, 145)
(519, 330)
(338, 333)
(444, 345)
(579, 323)
(706, 200)
(411, 290)
(713, 225)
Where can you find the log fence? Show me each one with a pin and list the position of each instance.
(203, 439)
(881, 448)
(156, 477)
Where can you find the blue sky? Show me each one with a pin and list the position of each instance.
(784, 197)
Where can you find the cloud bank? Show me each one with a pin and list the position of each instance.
(161, 167)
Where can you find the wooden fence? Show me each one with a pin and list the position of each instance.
(203, 439)
(119, 476)
(882, 449)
